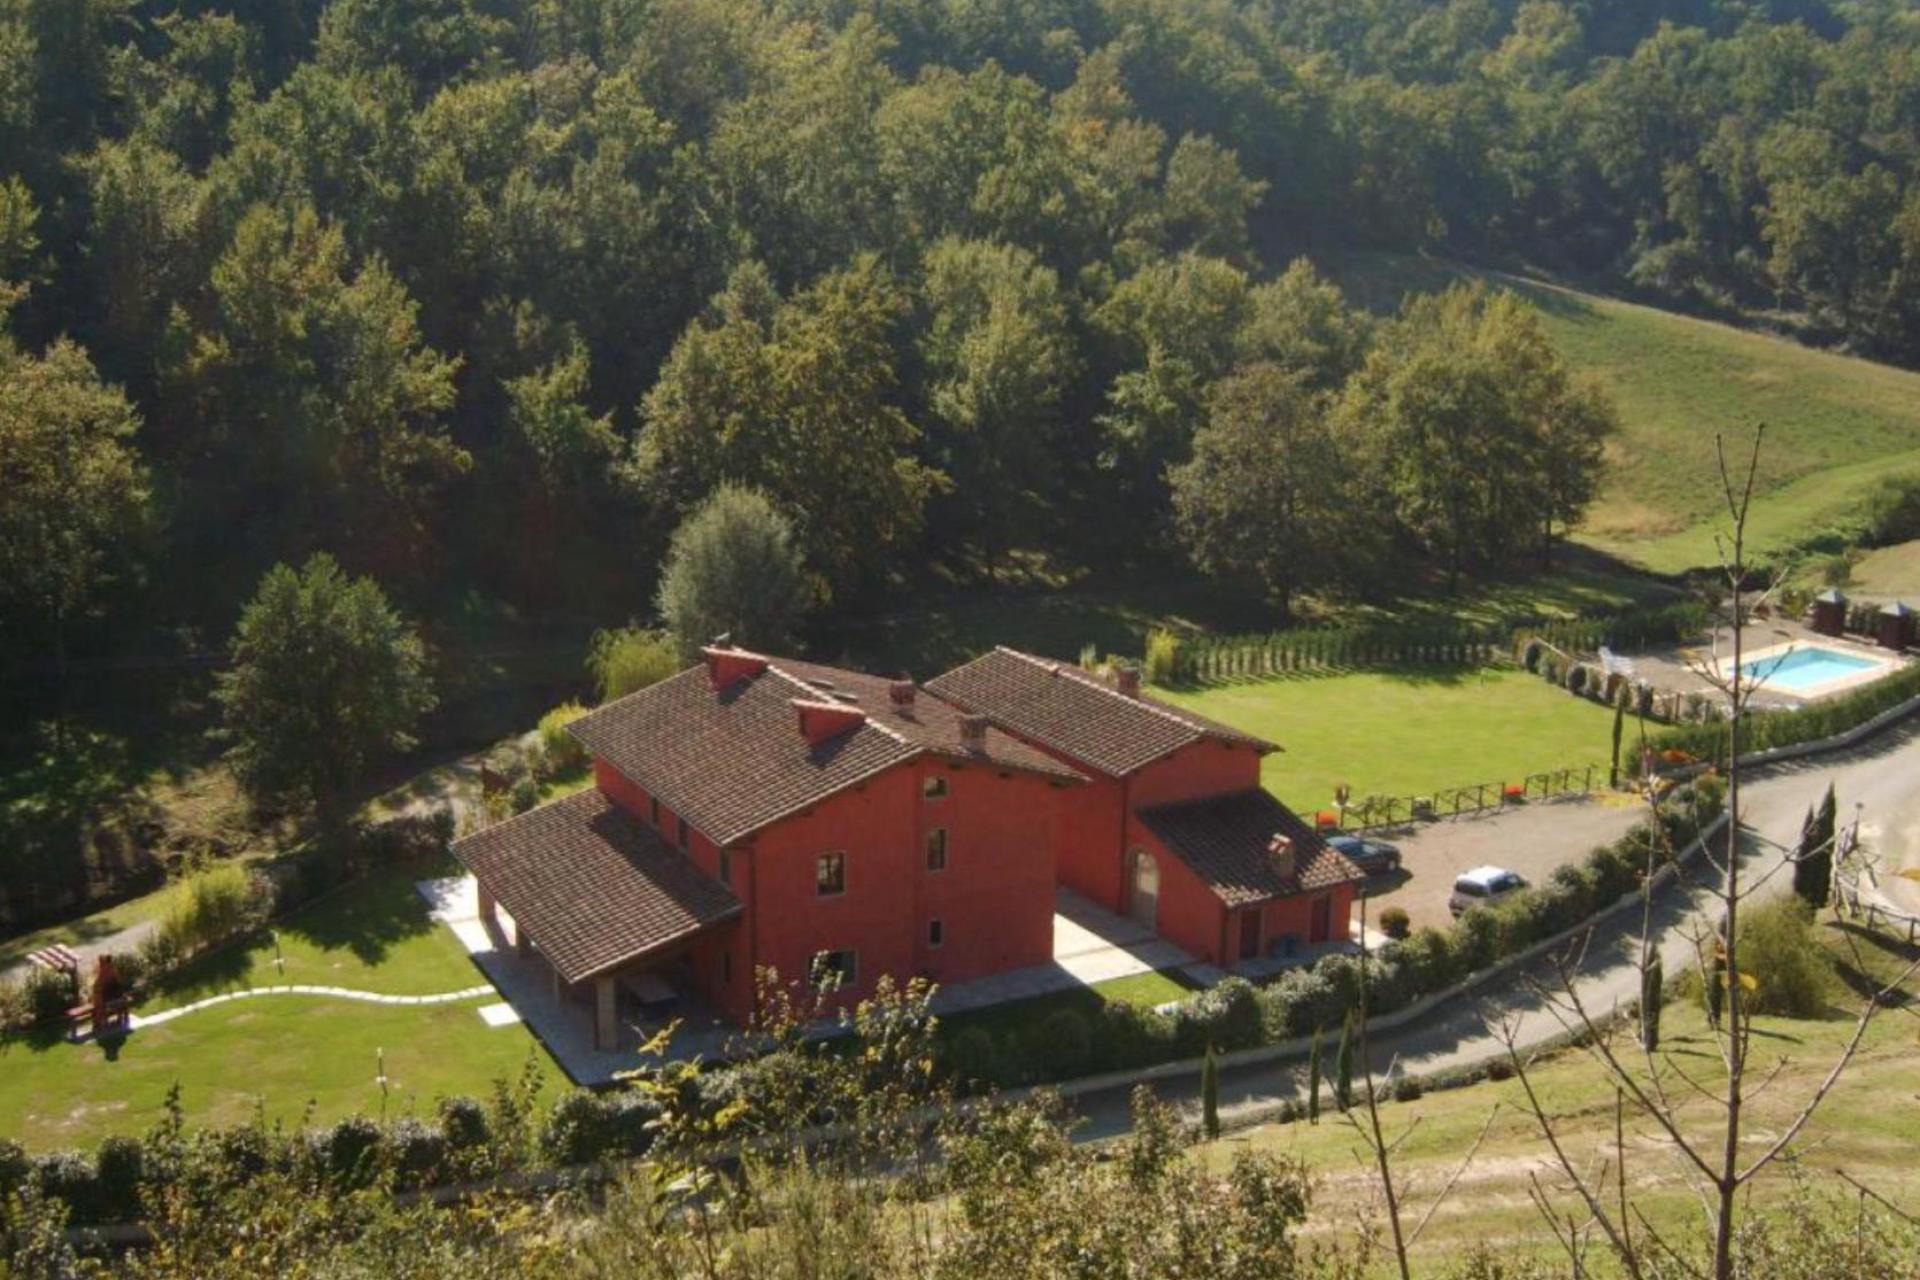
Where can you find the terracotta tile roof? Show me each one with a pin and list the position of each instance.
(1079, 715)
(1226, 839)
(731, 761)
(593, 888)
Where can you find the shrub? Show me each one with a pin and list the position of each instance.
(633, 658)
(1226, 1016)
(1576, 679)
(1477, 936)
(1131, 1035)
(1779, 952)
(119, 1167)
(972, 1059)
(69, 1176)
(1428, 957)
(208, 908)
(564, 753)
(349, 1152)
(46, 995)
(1059, 1046)
(236, 1156)
(1893, 512)
(1406, 1089)
(1162, 665)
(576, 1129)
(1532, 652)
(1396, 923)
(525, 793)
(419, 1152)
(15, 1168)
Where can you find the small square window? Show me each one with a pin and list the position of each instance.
(937, 849)
(936, 933)
(830, 875)
(726, 866)
(837, 970)
(682, 837)
(933, 787)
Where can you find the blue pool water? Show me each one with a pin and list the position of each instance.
(1802, 669)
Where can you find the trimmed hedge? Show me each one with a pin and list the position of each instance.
(1769, 730)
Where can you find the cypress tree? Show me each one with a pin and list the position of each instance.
(1313, 1080)
(1619, 727)
(1813, 860)
(1653, 983)
(1210, 1094)
(1343, 1067)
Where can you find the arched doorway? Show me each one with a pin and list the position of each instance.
(1143, 903)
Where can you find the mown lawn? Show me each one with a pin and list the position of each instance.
(1835, 424)
(1856, 1129)
(286, 1055)
(1403, 733)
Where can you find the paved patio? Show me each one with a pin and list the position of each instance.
(1692, 668)
(563, 1025)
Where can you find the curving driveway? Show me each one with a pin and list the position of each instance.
(1882, 775)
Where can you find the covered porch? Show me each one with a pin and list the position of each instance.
(585, 920)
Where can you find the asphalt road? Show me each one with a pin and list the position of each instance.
(1882, 776)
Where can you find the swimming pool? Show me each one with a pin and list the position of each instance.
(1803, 669)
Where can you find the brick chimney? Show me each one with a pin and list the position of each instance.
(973, 731)
(1127, 680)
(901, 693)
(1285, 861)
(820, 721)
(724, 666)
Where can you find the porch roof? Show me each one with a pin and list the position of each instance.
(1227, 841)
(593, 888)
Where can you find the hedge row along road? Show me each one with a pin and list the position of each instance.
(1878, 774)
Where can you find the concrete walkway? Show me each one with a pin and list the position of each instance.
(1883, 775)
(142, 1020)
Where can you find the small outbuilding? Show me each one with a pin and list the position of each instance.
(1830, 612)
(1895, 626)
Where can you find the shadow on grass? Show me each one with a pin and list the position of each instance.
(368, 918)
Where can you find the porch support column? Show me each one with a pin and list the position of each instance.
(489, 909)
(521, 942)
(606, 1022)
(559, 986)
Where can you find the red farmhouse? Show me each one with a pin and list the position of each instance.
(756, 812)
(1173, 828)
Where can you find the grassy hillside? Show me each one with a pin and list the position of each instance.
(1835, 424)
(1856, 1130)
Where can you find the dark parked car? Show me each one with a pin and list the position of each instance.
(1375, 857)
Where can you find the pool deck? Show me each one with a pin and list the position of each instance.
(1879, 662)
(1694, 668)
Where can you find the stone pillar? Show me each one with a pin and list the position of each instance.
(606, 1020)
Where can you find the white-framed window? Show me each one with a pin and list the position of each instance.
(839, 969)
(936, 932)
(830, 875)
(936, 849)
(933, 787)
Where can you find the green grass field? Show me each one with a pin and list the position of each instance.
(284, 1054)
(1855, 1130)
(1403, 733)
(1835, 424)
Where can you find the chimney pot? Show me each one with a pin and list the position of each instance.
(973, 730)
(902, 692)
(1127, 680)
(1281, 847)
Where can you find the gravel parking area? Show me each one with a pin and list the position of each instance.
(1532, 839)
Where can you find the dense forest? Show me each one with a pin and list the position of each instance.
(486, 295)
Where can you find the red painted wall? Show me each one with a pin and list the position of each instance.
(994, 899)
(1189, 916)
(1199, 769)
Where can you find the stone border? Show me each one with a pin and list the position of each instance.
(139, 1022)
